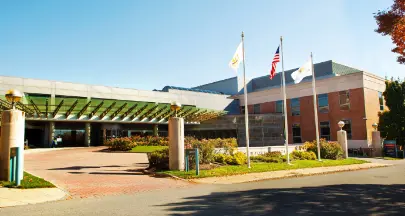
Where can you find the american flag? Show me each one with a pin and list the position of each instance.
(276, 59)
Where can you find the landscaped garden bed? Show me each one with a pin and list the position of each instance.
(28, 181)
(229, 161)
(257, 167)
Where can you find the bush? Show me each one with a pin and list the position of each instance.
(329, 150)
(236, 159)
(120, 144)
(229, 159)
(302, 155)
(272, 154)
(220, 158)
(205, 149)
(261, 158)
(310, 147)
(239, 158)
(159, 159)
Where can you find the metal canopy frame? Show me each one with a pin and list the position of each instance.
(68, 108)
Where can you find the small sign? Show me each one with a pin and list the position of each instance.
(390, 148)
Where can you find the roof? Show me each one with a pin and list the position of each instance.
(167, 88)
(39, 107)
(322, 70)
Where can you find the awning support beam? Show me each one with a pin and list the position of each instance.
(71, 108)
(56, 109)
(96, 109)
(118, 110)
(107, 110)
(83, 109)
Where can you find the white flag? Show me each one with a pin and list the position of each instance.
(237, 58)
(303, 71)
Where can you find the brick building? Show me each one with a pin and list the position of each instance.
(343, 93)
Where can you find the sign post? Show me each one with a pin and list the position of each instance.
(187, 164)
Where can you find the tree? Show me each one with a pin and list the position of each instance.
(392, 22)
(392, 122)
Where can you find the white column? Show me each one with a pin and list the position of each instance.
(376, 143)
(176, 143)
(51, 133)
(155, 130)
(12, 135)
(87, 134)
(342, 140)
(129, 133)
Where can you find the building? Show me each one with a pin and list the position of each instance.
(85, 115)
(343, 93)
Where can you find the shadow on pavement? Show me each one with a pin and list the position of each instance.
(348, 199)
(85, 167)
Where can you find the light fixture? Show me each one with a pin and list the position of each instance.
(175, 106)
(375, 125)
(341, 124)
(13, 96)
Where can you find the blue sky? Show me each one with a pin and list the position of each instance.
(150, 44)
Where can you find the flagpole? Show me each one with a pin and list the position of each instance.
(284, 104)
(246, 106)
(315, 110)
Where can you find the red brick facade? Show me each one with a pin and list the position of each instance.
(356, 114)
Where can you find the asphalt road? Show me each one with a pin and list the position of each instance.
(379, 191)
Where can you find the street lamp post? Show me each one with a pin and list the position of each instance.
(13, 96)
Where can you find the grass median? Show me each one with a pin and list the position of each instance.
(146, 149)
(262, 167)
(28, 181)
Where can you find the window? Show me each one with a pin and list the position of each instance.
(242, 110)
(256, 109)
(344, 100)
(279, 106)
(325, 130)
(381, 99)
(296, 131)
(295, 106)
(323, 105)
(348, 128)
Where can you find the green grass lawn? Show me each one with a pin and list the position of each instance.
(262, 167)
(29, 181)
(146, 149)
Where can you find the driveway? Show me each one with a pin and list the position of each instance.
(89, 172)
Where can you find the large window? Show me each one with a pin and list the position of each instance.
(323, 105)
(295, 106)
(348, 128)
(344, 100)
(296, 131)
(256, 109)
(325, 130)
(279, 106)
(381, 100)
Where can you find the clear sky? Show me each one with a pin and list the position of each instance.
(149, 44)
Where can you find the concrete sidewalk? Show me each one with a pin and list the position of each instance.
(286, 173)
(15, 197)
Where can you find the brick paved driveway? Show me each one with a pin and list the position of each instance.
(86, 172)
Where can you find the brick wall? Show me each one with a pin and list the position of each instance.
(356, 114)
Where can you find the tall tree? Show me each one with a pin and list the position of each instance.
(392, 122)
(392, 22)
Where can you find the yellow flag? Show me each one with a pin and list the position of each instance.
(237, 58)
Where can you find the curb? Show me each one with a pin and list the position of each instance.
(291, 175)
(165, 175)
